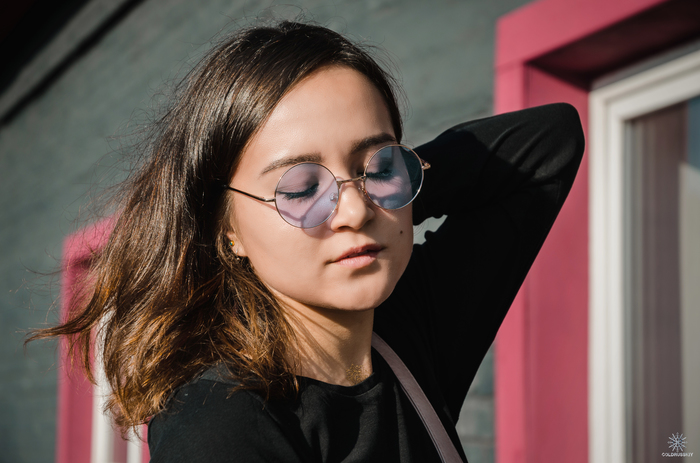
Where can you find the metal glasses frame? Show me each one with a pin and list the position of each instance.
(423, 164)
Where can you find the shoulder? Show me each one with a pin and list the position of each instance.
(207, 402)
(206, 420)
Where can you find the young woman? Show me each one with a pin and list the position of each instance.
(269, 233)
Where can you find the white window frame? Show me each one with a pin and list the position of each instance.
(610, 107)
(102, 436)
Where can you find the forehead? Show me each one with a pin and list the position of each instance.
(323, 115)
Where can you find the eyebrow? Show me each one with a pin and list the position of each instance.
(357, 146)
(369, 142)
(290, 161)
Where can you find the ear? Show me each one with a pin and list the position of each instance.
(237, 247)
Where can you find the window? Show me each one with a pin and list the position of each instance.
(107, 445)
(645, 262)
(663, 272)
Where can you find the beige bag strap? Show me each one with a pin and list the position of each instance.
(431, 421)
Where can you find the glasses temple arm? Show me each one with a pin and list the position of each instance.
(267, 200)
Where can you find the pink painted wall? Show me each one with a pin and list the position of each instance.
(74, 414)
(542, 347)
(558, 311)
(546, 25)
(75, 392)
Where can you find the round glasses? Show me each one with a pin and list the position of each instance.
(308, 193)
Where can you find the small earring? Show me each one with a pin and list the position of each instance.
(231, 245)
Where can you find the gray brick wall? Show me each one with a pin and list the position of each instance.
(475, 424)
(57, 147)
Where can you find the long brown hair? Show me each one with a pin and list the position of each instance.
(167, 294)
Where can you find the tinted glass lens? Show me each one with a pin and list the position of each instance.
(394, 177)
(306, 195)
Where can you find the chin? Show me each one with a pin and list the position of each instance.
(365, 299)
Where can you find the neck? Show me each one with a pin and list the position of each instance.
(334, 345)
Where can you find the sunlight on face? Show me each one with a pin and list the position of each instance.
(335, 117)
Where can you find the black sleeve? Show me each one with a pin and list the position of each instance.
(203, 422)
(501, 181)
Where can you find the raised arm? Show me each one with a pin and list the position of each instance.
(481, 162)
(501, 181)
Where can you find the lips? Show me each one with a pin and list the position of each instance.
(359, 254)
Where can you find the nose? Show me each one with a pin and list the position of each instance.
(354, 209)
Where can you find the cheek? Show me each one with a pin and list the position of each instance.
(274, 248)
(402, 238)
(253, 223)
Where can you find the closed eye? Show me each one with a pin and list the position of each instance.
(308, 193)
(381, 176)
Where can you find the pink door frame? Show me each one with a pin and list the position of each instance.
(550, 51)
(75, 392)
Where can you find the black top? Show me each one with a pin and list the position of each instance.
(501, 181)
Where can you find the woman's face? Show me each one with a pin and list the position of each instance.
(335, 117)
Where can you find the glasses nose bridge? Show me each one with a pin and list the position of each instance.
(360, 179)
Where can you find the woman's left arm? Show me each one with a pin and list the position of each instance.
(501, 181)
